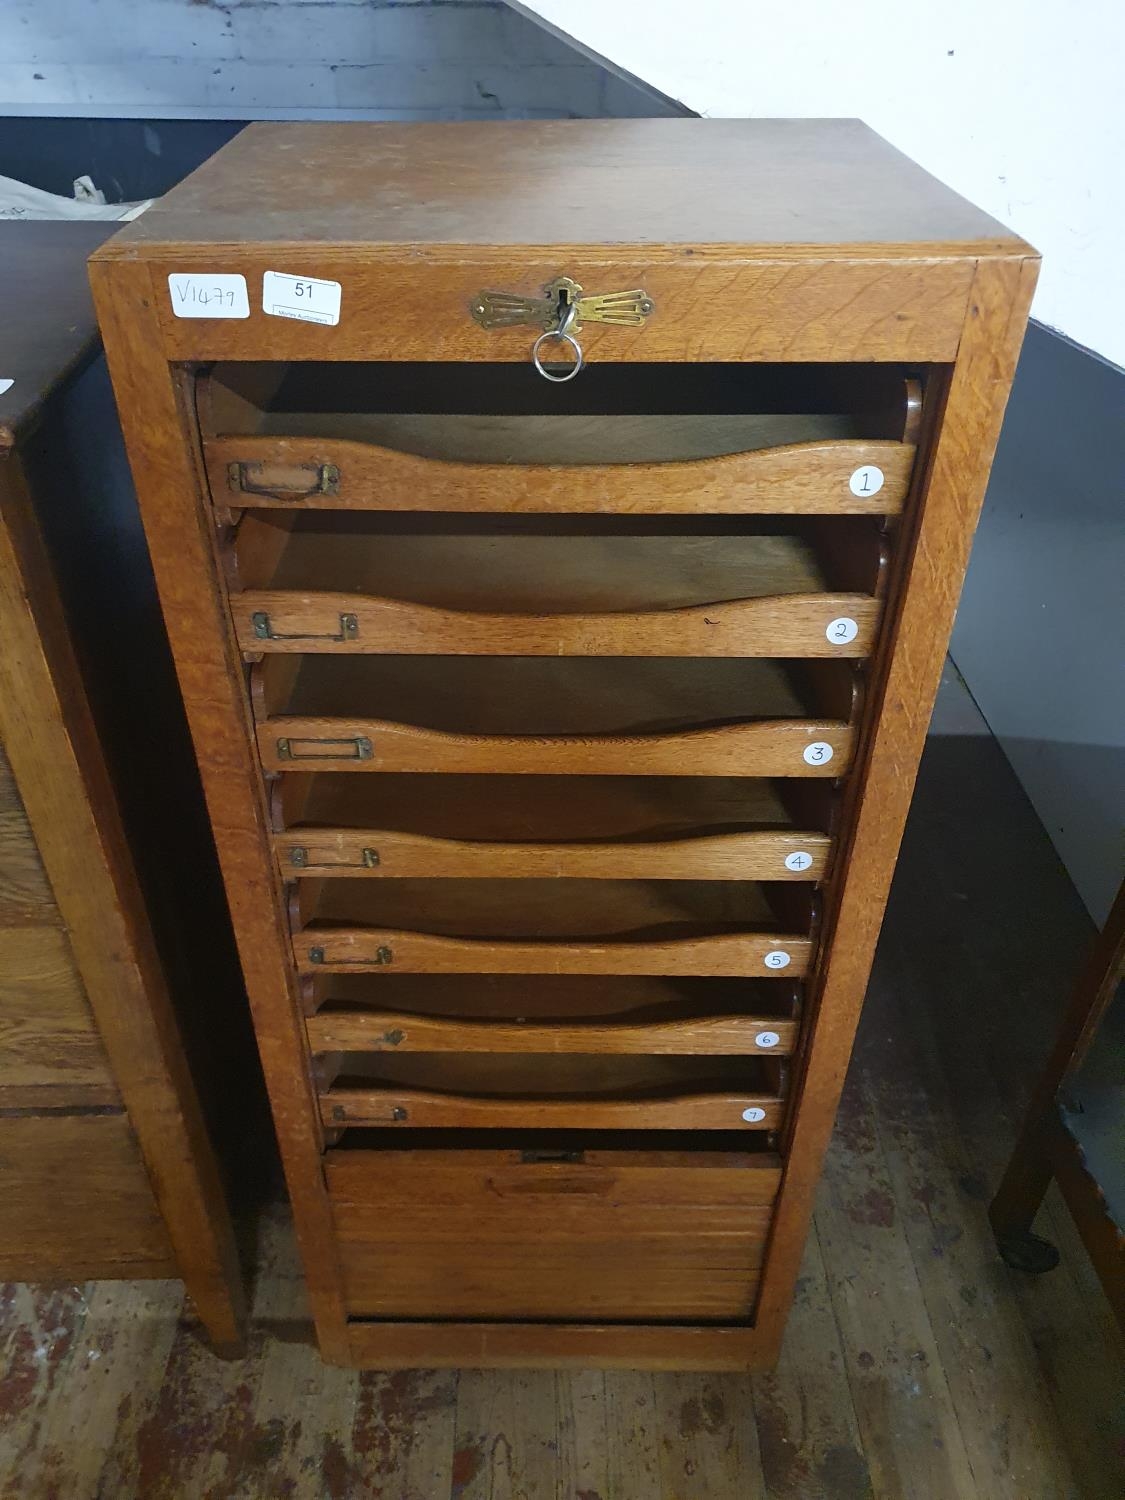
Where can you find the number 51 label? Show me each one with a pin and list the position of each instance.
(306, 298)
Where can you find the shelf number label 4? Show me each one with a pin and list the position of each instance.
(777, 958)
(799, 860)
(306, 298)
(200, 294)
(754, 1115)
(819, 753)
(866, 481)
(842, 631)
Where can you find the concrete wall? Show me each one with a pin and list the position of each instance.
(1040, 635)
(261, 59)
(1010, 102)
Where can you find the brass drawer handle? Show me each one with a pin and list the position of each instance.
(355, 747)
(383, 956)
(284, 481)
(264, 631)
(368, 860)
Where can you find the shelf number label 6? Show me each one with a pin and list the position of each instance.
(866, 481)
(819, 753)
(799, 860)
(842, 632)
(777, 958)
(767, 1039)
(754, 1115)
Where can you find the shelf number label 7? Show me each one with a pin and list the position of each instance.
(309, 299)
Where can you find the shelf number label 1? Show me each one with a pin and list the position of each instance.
(777, 958)
(306, 298)
(799, 860)
(841, 632)
(766, 1039)
(819, 753)
(866, 481)
(198, 294)
(754, 1115)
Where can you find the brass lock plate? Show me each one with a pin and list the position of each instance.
(548, 312)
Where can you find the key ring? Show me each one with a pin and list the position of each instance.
(562, 336)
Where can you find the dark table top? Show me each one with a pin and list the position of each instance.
(47, 325)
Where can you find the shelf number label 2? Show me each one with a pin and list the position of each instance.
(819, 753)
(777, 958)
(309, 299)
(842, 631)
(866, 481)
(799, 860)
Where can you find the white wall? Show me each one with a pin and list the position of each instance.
(263, 59)
(1017, 104)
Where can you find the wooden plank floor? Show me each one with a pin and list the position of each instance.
(916, 1366)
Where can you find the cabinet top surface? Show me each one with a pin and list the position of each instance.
(759, 185)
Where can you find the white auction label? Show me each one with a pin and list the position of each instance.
(767, 1039)
(201, 294)
(866, 481)
(842, 631)
(305, 298)
(799, 860)
(819, 753)
(753, 1115)
(776, 959)
(6, 386)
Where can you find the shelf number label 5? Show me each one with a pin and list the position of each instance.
(866, 481)
(309, 299)
(819, 753)
(799, 860)
(842, 632)
(777, 958)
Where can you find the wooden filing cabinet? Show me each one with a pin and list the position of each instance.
(558, 733)
(108, 1167)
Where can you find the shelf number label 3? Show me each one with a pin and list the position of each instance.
(309, 299)
(799, 860)
(754, 1115)
(842, 632)
(866, 481)
(819, 753)
(767, 1039)
(777, 958)
(208, 295)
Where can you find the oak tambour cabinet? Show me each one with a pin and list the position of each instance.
(559, 528)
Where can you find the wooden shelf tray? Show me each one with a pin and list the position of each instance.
(531, 1091)
(549, 1014)
(601, 716)
(342, 436)
(329, 581)
(709, 928)
(602, 827)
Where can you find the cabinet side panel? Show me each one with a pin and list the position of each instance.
(906, 683)
(167, 476)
